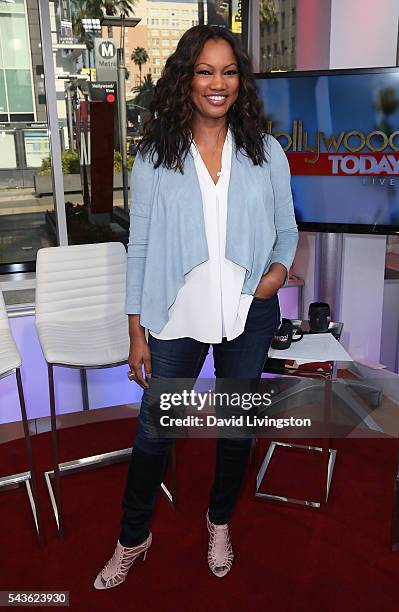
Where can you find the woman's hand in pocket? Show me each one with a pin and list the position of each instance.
(271, 282)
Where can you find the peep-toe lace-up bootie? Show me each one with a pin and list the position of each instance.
(117, 568)
(220, 551)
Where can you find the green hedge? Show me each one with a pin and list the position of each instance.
(118, 161)
(70, 163)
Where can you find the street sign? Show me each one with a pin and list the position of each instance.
(105, 56)
(236, 16)
(102, 92)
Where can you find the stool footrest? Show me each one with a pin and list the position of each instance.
(17, 480)
(90, 463)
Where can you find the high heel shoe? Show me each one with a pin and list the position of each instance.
(117, 568)
(220, 551)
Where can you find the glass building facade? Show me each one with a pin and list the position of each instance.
(17, 101)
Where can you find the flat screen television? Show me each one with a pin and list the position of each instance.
(340, 131)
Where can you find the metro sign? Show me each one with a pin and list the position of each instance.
(107, 49)
(105, 53)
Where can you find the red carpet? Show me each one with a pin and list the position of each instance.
(287, 558)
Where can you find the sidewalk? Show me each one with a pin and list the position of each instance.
(22, 222)
(20, 201)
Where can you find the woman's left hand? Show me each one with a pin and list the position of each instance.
(271, 282)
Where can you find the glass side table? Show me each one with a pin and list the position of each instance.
(323, 373)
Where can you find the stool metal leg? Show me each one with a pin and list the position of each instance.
(85, 392)
(56, 500)
(31, 484)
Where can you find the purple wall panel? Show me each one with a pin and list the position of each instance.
(289, 302)
(109, 387)
(105, 387)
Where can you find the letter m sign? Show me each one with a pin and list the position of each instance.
(107, 50)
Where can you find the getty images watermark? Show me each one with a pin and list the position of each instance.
(219, 401)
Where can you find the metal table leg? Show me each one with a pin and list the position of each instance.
(327, 463)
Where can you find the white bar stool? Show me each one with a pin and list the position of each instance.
(81, 323)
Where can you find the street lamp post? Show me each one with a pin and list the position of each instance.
(123, 123)
(123, 22)
(70, 117)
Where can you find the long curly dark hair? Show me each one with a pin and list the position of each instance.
(167, 132)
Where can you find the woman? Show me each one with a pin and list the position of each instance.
(212, 238)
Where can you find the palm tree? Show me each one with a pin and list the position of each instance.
(116, 7)
(140, 57)
(143, 99)
(145, 92)
(268, 11)
(78, 14)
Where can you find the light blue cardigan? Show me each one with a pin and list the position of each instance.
(167, 228)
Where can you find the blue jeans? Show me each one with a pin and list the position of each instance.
(242, 357)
